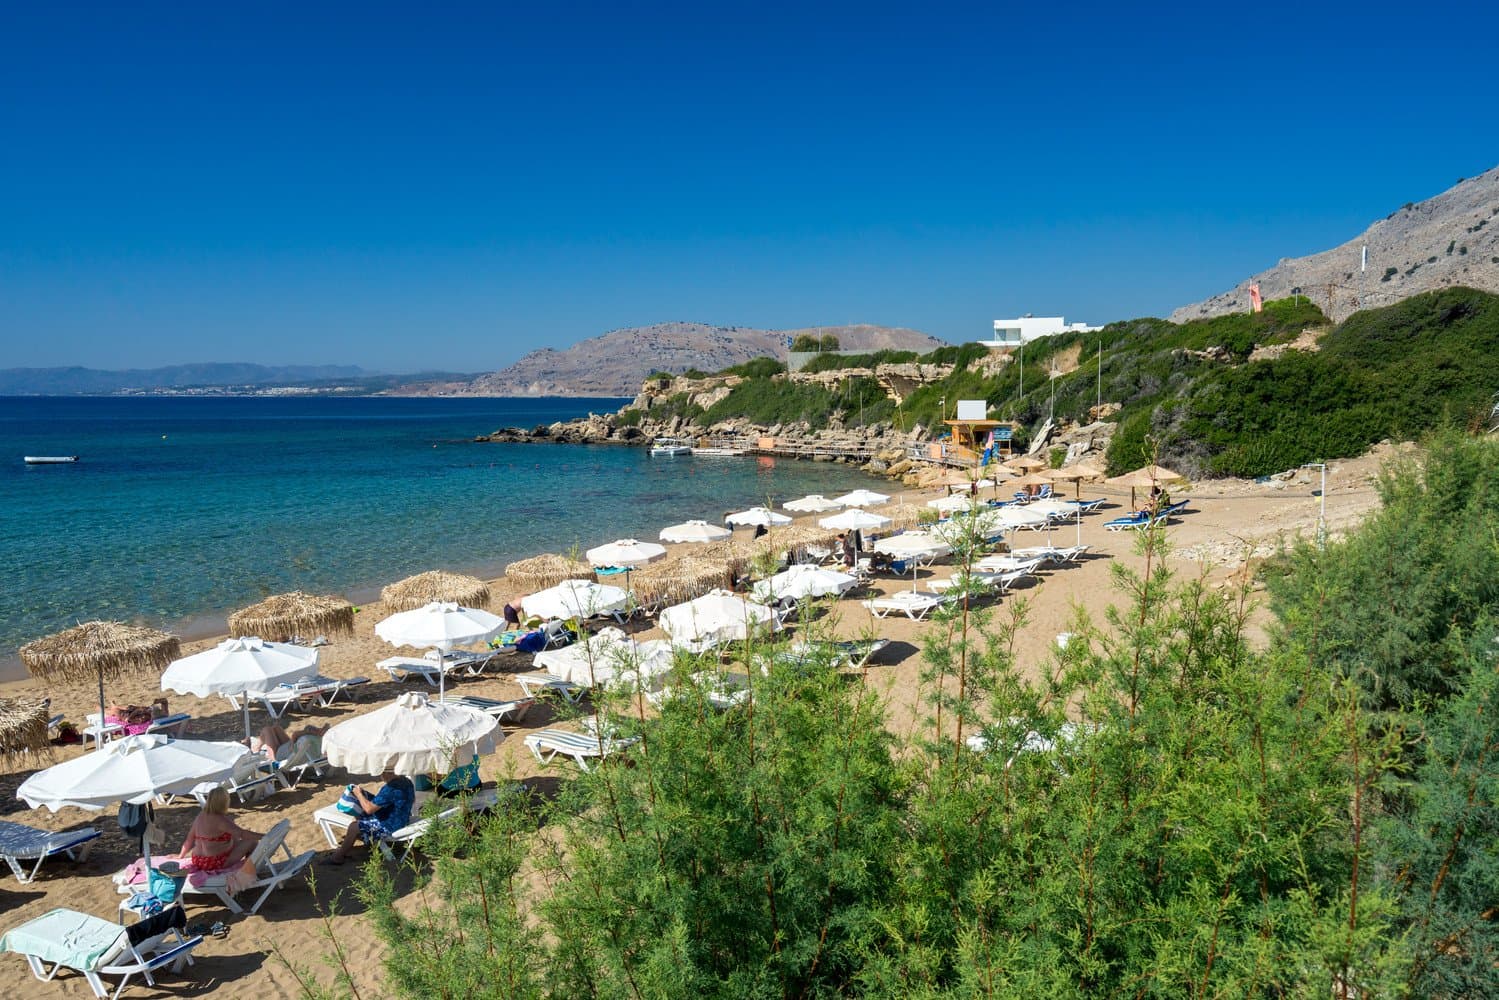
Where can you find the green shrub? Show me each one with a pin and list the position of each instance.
(756, 368)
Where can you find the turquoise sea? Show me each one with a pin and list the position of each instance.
(183, 508)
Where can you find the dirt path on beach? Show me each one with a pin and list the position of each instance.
(1228, 522)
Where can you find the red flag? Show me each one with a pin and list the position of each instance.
(1254, 297)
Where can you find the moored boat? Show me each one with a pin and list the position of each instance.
(671, 446)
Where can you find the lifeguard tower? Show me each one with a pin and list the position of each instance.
(968, 435)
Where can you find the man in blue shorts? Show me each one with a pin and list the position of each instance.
(383, 814)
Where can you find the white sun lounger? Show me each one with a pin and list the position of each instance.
(333, 822)
(64, 938)
(19, 842)
(270, 874)
(505, 711)
(914, 604)
(549, 744)
(322, 690)
(403, 668)
(535, 685)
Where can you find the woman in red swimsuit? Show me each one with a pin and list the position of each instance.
(215, 842)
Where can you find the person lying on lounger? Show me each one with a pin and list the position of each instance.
(277, 744)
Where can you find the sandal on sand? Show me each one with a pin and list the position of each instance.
(219, 929)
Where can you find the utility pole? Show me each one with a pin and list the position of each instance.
(1322, 504)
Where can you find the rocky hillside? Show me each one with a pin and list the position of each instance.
(616, 363)
(1449, 240)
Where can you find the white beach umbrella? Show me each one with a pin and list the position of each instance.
(412, 736)
(1020, 517)
(757, 516)
(237, 667)
(575, 599)
(695, 531)
(626, 553)
(133, 769)
(608, 656)
(802, 581)
(862, 498)
(955, 502)
(440, 626)
(717, 616)
(812, 503)
(982, 522)
(915, 546)
(855, 520)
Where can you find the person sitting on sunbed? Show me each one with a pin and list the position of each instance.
(380, 815)
(216, 843)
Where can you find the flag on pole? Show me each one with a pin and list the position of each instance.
(1254, 298)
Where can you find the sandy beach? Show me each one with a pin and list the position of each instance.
(1228, 522)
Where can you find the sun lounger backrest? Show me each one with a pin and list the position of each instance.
(270, 841)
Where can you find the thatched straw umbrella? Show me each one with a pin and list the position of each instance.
(283, 616)
(678, 580)
(1026, 463)
(1074, 474)
(1148, 475)
(545, 570)
(23, 730)
(435, 585)
(99, 651)
(800, 537)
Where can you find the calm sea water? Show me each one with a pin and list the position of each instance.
(184, 508)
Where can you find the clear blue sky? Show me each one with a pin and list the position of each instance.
(446, 186)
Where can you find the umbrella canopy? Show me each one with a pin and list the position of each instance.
(757, 516)
(286, 615)
(812, 503)
(626, 552)
(1020, 517)
(695, 532)
(99, 651)
(1031, 479)
(801, 582)
(715, 617)
(546, 570)
(412, 736)
(238, 666)
(1075, 474)
(133, 769)
(435, 586)
(23, 730)
(439, 626)
(678, 580)
(1053, 507)
(958, 501)
(606, 657)
(862, 498)
(855, 520)
(913, 545)
(575, 599)
(1148, 475)
(1026, 463)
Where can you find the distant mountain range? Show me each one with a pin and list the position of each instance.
(76, 381)
(1451, 239)
(617, 362)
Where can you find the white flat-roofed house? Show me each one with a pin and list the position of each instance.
(1014, 332)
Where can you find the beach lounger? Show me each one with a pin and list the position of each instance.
(333, 823)
(505, 711)
(404, 668)
(270, 874)
(324, 691)
(64, 938)
(535, 685)
(548, 744)
(21, 843)
(914, 604)
(253, 778)
(841, 654)
(170, 725)
(1089, 506)
(1136, 520)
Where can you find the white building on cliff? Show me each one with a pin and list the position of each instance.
(1014, 332)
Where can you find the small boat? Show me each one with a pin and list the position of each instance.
(671, 446)
(50, 459)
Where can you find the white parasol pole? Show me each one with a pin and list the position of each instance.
(442, 679)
